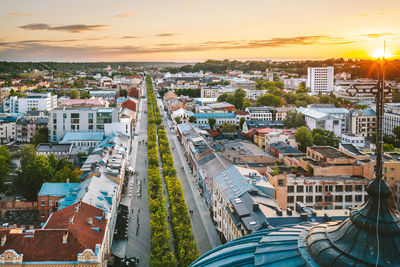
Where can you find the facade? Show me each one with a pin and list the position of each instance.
(88, 103)
(262, 113)
(108, 95)
(82, 141)
(363, 122)
(391, 117)
(8, 128)
(27, 127)
(59, 150)
(64, 120)
(220, 118)
(346, 89)
(254, 94)
(243, 83)
(320, 80)
(356, 140)
(34, 101)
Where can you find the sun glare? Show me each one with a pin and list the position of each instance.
(380, 53)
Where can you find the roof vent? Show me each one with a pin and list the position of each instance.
(279, 212)
(256, 206)
(289, 211)
(90, 220)
(238, 200)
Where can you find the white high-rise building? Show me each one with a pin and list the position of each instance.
(34, 101)
(320, 80)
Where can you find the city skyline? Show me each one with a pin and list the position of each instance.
(195, 30)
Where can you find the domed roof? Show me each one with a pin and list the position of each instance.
(351, 242)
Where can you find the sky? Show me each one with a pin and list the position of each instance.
(196, 30)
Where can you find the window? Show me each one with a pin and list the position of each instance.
(309, 199)
(318, 198)
(309, 188)
(358, 188)
(349, 198)
(42, 213)
(339, 188)
(42, 202)
(328, 188)
(300, 189)
(358, 198)
(338, 198)
(90, 127)
(290, 199)
(349, 188)
(50, 202)
(74, 117)
(328, 198)
(300, 198)
(318, 188)
(281, 182)
(90, 119)
(290, 189)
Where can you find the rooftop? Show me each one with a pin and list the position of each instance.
(56, 189)
(329, 152)
(82, 136)
(54, 148)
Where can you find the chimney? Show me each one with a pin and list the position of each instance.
(65, 237)
(3, 240)
(90, 220)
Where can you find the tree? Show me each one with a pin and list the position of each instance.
(212, 122)
(396, 132)
(178, 120)
(41, 136)
(123, 93)
(239, 97)
(246, 103)
(294, 119)
(302, 89)
(223, 97)
(304, 138)
(269, 100)
(65, 173)
(325, 138)
(290, 98)
(275, 170)
(228, 128)
(28, 153)
(241, 122)
(388, 148)
(85, 94)
(5, 163)
(192, 119)
(396, 97)
(73, 94)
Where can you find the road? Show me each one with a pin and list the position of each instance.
(202, 226)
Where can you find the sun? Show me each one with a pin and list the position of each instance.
(381, 53)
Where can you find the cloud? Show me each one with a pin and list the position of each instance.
(130, 37)
(377, 35)
(370, 15)
(124, 15)
(20, 14)
(74, 28)
(68, 50)
(166, 34)
(192, 4)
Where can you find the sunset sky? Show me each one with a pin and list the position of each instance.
(179, 30)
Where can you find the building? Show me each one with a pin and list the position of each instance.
(8, 128)
(243, 83)
(391, 117)
(356, 140)
(34, 101)
(315, 119)
(108, 95)
(221, 107)
(59, 150)
(254, 94)
(92, 102)
(83, 141)
(363, 122)
(27, 127)
(77, 235)
(320, 80)
(220, 118)
(346, 89)
(342, 113)
(64, 120)
(262, 113)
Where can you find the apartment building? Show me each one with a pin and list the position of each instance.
(363, 122)
(220, 118)
(34, 101)
(243, 83)
(254, 94)
(391, 117)
(8, 128)
(64, 120)
(346, 89)
(320, 80)
(28, 126)
(262, 113)
(397, 192)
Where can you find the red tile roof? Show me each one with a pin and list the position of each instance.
(129, 104)
(133, 92)
(47, 244)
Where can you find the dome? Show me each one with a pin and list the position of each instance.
(351, 242)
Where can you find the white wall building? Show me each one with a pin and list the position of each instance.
(262, 113)
(315, 119)
(391, 117)
(243, 83)
(108, 95)
(356, 140)
(34, 101)
(254, 94)
(64, 120)
(320, 80)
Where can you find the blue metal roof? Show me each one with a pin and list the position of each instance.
(56, 189)
(272, 247)
(368, 112)
(214, 115)
(82, 136)
(285, 148)
(231, 183)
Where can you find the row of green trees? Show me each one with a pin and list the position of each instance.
(36, 170)
(185, 245)
(161, 254)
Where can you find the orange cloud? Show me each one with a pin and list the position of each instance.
(75, 28)
(20, 14)
(124, 15)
